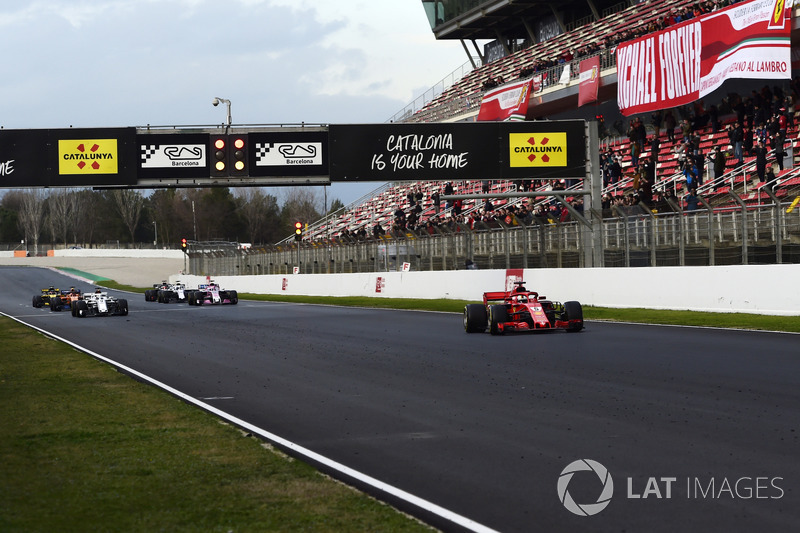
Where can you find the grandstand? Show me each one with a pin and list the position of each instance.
(523, 48)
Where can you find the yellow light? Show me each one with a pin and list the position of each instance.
(220, 165)
(239, 165)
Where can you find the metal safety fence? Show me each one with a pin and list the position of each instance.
(630, 237)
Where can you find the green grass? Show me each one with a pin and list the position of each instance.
(84, 448)
(648, 316)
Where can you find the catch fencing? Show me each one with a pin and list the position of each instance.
(631, 236)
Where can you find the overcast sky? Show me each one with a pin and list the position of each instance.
(114, 63)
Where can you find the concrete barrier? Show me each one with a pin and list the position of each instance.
(761, 289)
(102, 252)
(117, 252)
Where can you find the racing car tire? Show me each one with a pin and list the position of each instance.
(233, 296)
(574, 311)
(474, 318)
(497, 315)
(55, 304)
(122, 304)
(147, 295)
(38, 301)
(81, 309)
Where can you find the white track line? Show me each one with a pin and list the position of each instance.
(425, 505)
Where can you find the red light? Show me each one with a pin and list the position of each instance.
(219, 144)
(239, 144)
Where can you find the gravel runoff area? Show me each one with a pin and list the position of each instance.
(138, 272)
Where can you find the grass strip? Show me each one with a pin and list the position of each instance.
(86, 275)
(84, 448)
(645, 316)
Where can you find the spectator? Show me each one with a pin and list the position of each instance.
(635, 151)
(777, 147)
(761, 161)
(641, 134)
(760, 134)
(614, 171)
(633, 132)
(645, 191)
(656, 118)
(680, 151)
(690, 173)
(649, 169)
(691, 200)
(770, 176)
(686, 130)
(669, 124)
(713, 115)
(655, 148)
(717, 157)
(736, 136)
(437, 201)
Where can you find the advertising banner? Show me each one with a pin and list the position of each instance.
(88, 157)
(172, 155)
(298, 153)
(22, 158)
(509, 102)
(71, 157)
(456, 151)
(684, 62)
(589, 81)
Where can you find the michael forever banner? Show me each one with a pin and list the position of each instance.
(684, 62)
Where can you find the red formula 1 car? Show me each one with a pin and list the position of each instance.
(521, 310)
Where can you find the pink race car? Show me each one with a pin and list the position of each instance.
(212, 294)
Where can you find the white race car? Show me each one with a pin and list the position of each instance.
(99, 304)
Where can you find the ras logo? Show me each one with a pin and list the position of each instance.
(587, 509)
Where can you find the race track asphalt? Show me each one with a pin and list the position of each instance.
(484, 426)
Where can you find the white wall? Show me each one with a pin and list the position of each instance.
(118, 252)
(763, 289)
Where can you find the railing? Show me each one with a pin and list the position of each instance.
(466, 103)
(431, 94)
(630, 237)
